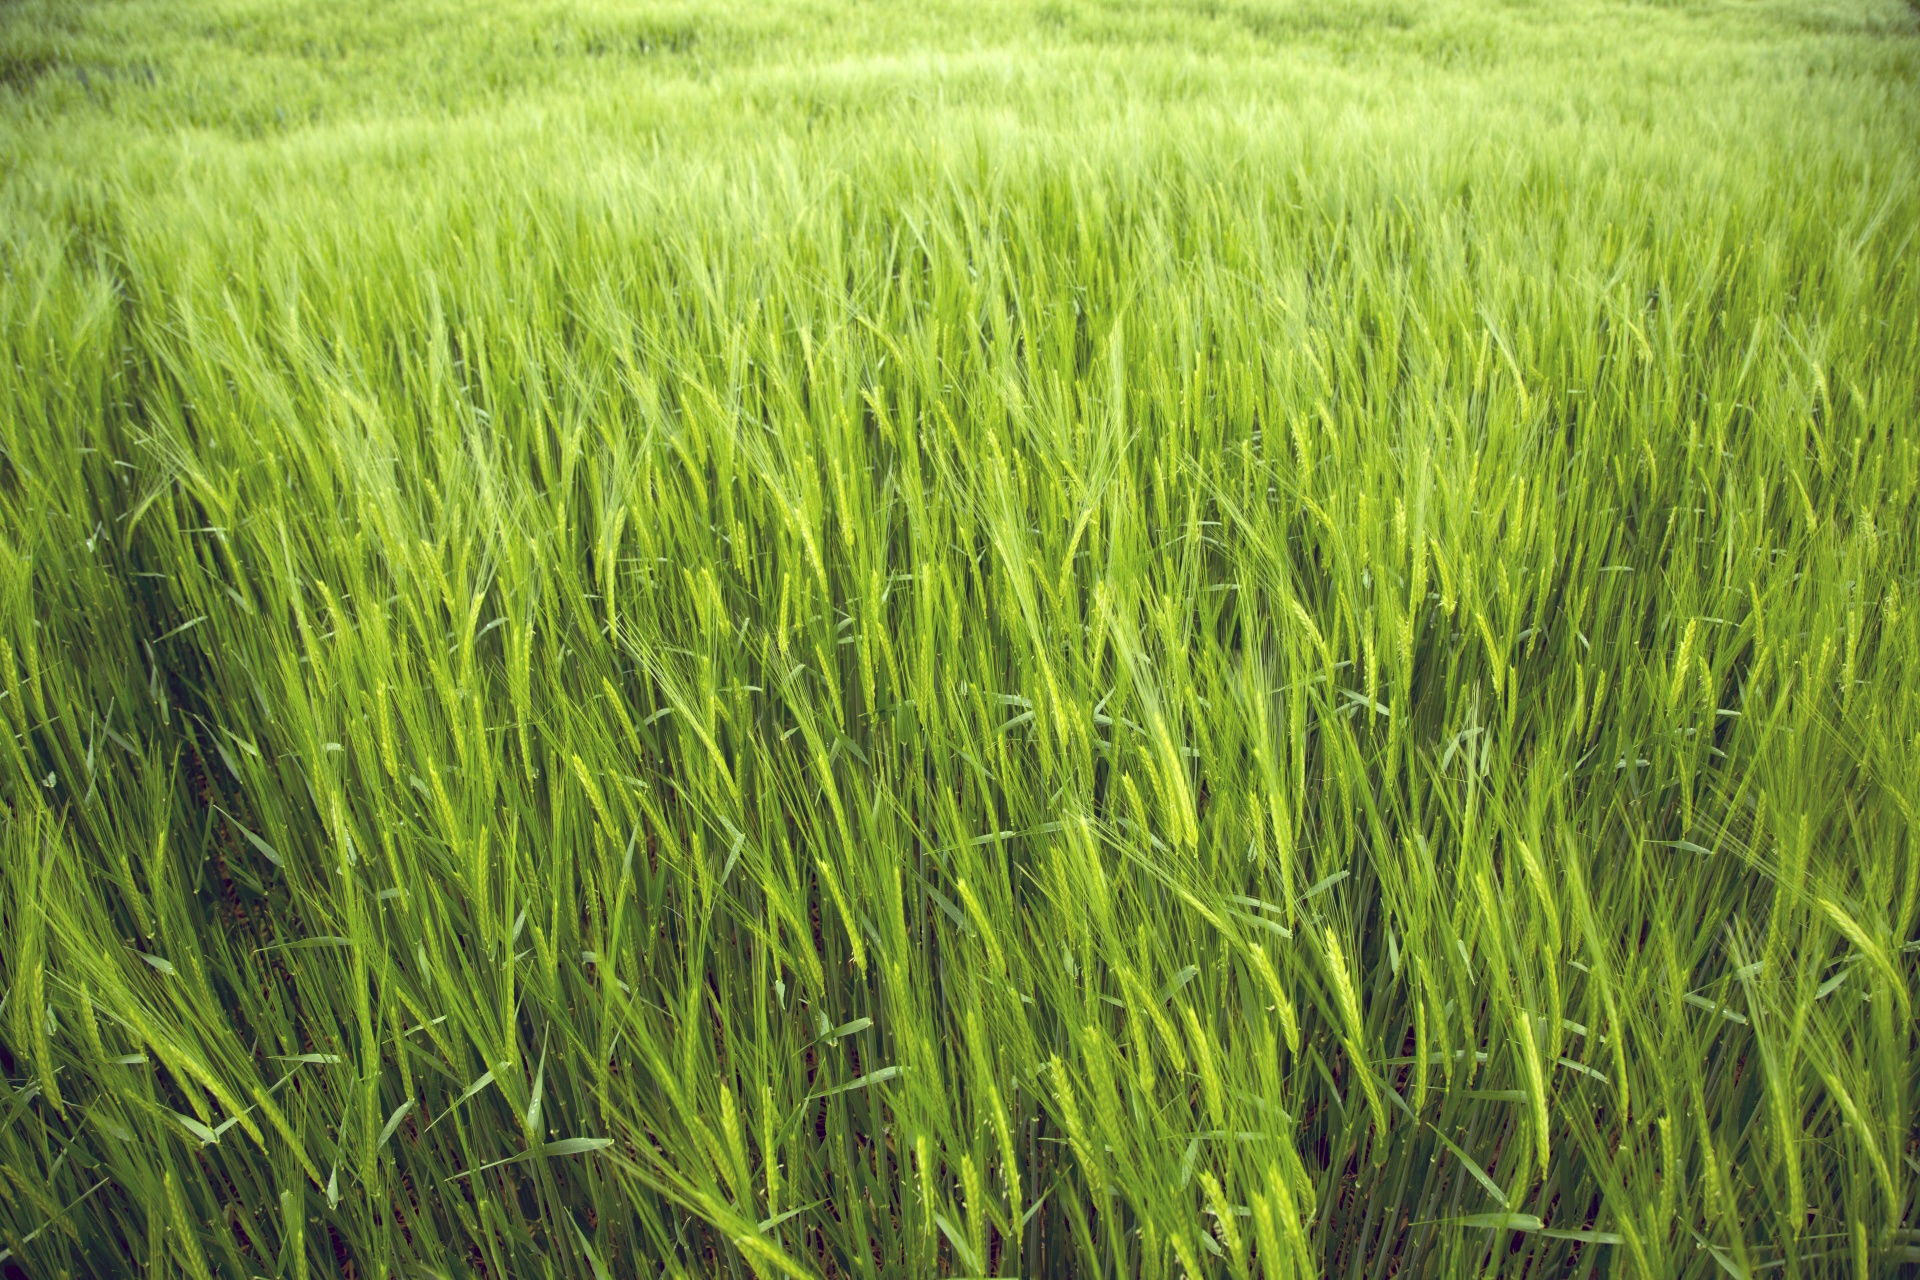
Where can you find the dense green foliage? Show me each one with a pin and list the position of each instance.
(1250, 638)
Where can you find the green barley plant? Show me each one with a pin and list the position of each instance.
(1259, 639)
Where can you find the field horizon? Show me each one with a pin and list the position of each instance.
(1263, 638)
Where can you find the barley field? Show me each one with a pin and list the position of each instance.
(1096, 638)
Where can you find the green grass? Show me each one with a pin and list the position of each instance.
(1262, 637)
